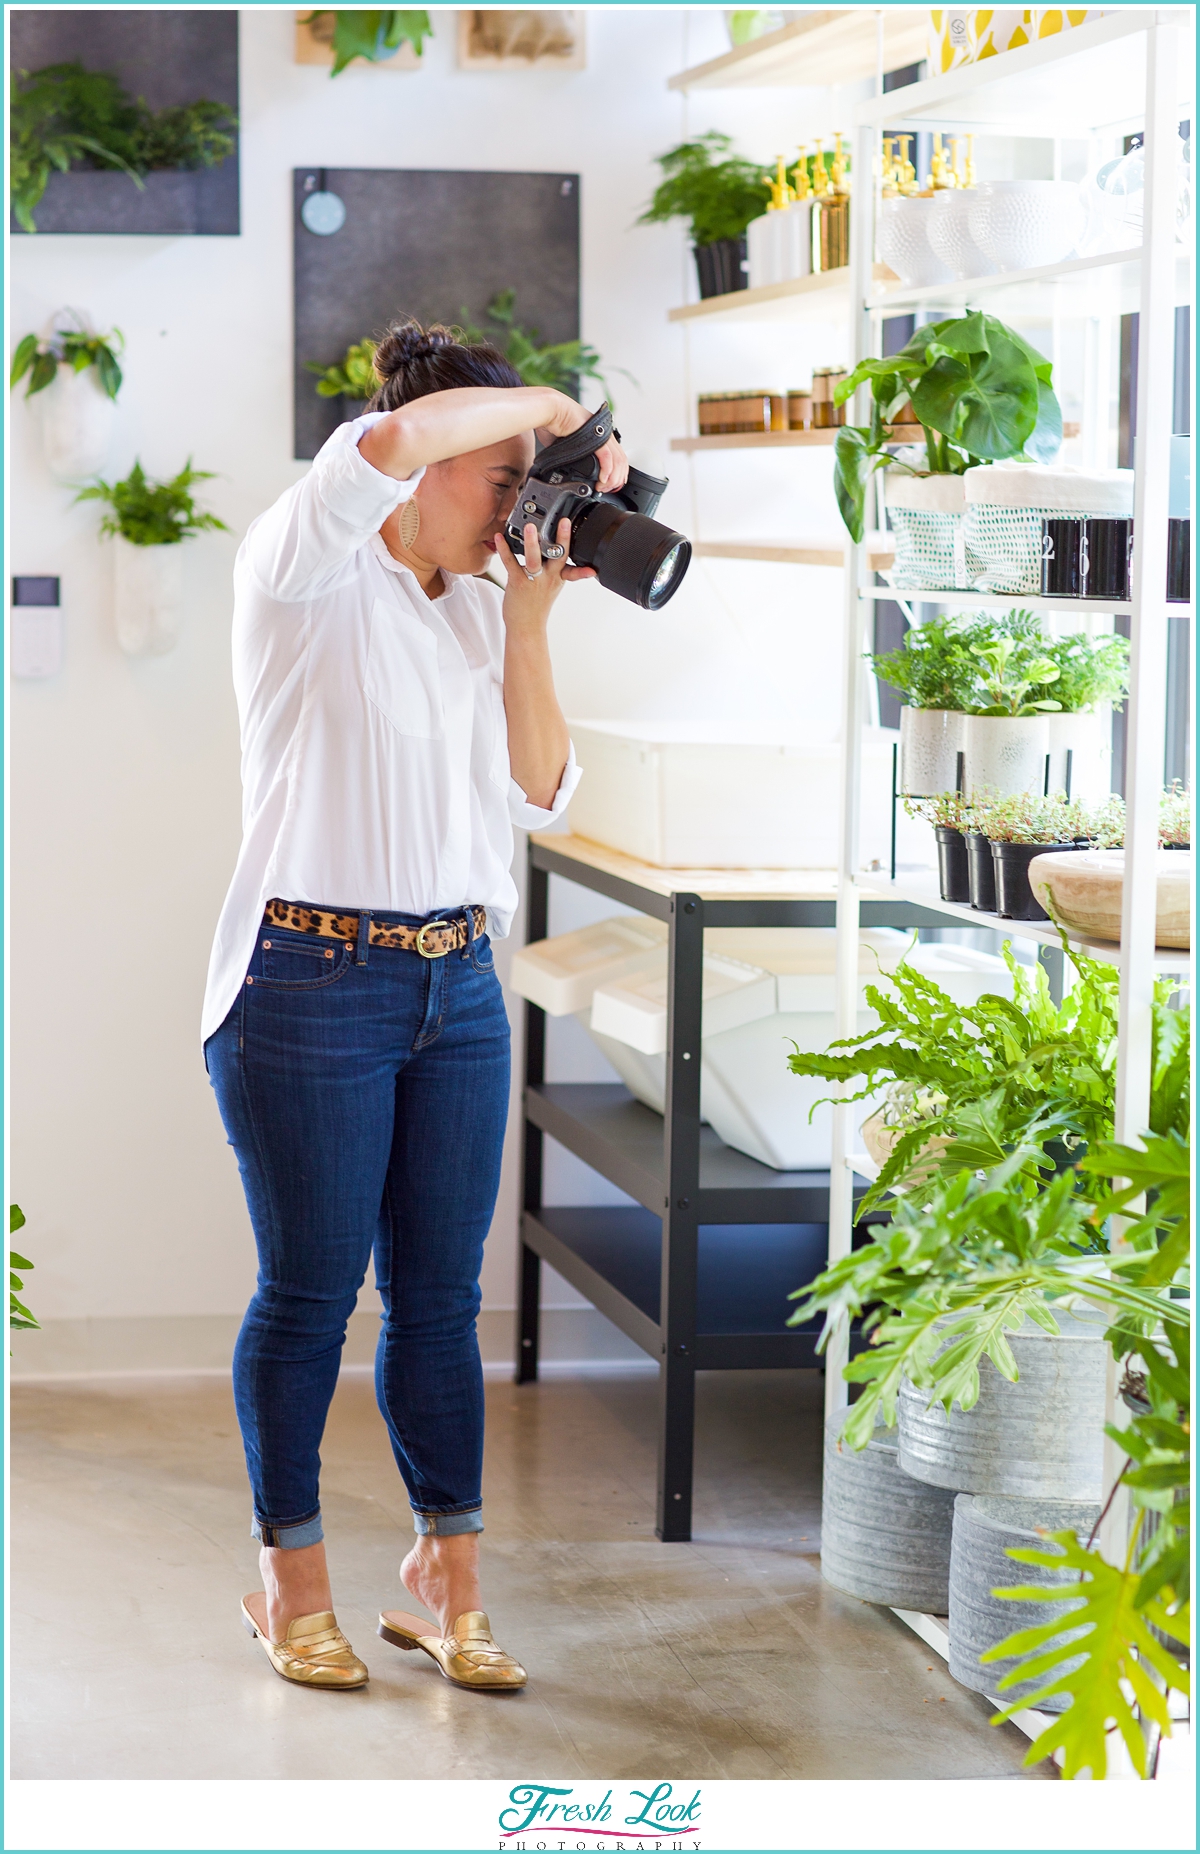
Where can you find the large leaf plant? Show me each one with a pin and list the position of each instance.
(977, 389)
(358, 32)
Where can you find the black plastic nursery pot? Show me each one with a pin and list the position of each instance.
(981, 871)
(1014, 898)
(954, 876)
(719, 266)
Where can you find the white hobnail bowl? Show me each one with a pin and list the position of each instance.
(1021, 224)
(950, 235)
(904, 242)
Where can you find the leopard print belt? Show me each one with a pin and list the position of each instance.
(433, 939)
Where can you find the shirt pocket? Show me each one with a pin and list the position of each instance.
(402, 679)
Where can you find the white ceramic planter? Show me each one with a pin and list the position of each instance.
(931, 740)
(904, 242)
(1004, 754)
(77, 425)
(1087, 737)
(1083, 890)
(1020, 224)
(147, 596)
(949, 229)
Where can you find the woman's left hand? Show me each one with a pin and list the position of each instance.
(533, 588)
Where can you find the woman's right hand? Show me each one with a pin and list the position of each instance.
(614, 465)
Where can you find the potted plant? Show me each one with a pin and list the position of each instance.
(718, 194)
(147, 521)
(950, 816)
(80, 375)
(1093, 677)
(979, 392)
(1017, 829)
(935, 673)
(64, 116)
(353, 379)
(1007, 736)
(19, 1315)
(376, 37)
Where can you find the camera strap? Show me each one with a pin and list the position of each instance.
(559, 457)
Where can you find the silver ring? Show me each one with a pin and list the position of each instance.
(536, 575)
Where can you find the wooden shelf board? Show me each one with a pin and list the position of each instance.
(709, 884)
(832, 47)
(820, 292)
(793, 553)
(756, 440)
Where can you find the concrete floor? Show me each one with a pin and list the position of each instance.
(725, 1657)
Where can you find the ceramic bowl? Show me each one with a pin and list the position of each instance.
(1021, 224)
(904, 242)
(950, 235)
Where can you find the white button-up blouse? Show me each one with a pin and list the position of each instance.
(375, 766)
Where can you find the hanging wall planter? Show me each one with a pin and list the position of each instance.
(78, 418)
(147, 596)
(885, 1538)
(1040, 1437)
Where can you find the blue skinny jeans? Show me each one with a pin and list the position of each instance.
(364, 1090)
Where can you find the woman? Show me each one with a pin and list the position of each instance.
(398, 717)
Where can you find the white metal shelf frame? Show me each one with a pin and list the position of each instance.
(1101, 90)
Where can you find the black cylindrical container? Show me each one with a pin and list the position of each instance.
(719, 266)
(1062, 546)
(1014, 897)
(954, 878)
(1107, 543)
(982, 875)
(1179, 562)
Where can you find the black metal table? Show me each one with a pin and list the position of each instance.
(699, 1275)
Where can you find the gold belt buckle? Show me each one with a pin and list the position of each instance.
(422, 931)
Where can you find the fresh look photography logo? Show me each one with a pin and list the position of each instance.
(560, 1816)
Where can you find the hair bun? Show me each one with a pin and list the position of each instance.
(406, 343)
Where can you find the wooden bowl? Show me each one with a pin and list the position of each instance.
(1082, 889)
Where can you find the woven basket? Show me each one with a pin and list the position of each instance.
(927, 515)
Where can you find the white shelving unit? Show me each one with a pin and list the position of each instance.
(1129, 71)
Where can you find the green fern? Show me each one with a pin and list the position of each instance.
(1121, 1652)
(18, 1314)
(153, 514)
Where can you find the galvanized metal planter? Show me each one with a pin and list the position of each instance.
(984, 1526)
(884, 1537)
(1042, 1437)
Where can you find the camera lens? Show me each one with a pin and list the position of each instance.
(633, 555)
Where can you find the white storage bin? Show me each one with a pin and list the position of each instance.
(747, 1092)
(560, 974)
(1006, 502)
(698, 796)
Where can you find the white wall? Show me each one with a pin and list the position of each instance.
(124, 788)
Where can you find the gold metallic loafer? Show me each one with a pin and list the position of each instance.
(314, 1652)
(468, 1656)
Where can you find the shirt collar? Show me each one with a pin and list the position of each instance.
(379, 549)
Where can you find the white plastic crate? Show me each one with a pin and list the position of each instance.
(666, 795)
(560, 974)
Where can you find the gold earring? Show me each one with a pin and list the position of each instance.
(410, 523)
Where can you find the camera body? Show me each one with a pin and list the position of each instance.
(613, 531)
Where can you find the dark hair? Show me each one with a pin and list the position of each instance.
(412, 361)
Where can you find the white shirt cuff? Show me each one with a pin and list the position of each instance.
(535, 817)
(353, 489)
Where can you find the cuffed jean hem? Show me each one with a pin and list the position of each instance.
(447, 1525)
(292, 1537)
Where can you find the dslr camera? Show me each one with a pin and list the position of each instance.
(613, 532)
